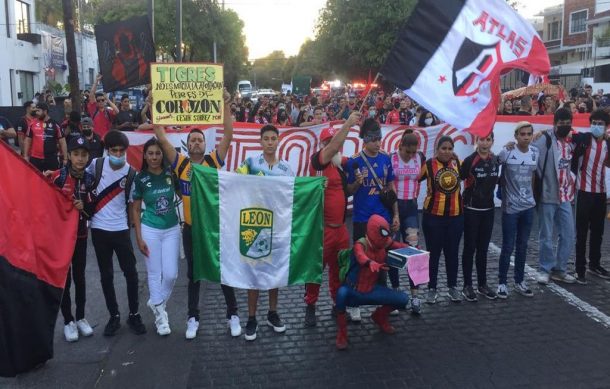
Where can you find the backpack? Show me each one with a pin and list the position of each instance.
(347, 262)
(539, 180)
(131, 174)
(98, 111)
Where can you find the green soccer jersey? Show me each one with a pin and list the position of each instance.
(157, 194)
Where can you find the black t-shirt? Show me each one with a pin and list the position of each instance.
(96, 147)
(5, 124)
(126, 116)
(404, 116)
(480, 177)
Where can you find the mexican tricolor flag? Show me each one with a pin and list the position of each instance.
(256, 232)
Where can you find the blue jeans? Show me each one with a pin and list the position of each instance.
(379, 295)
(408, 215)
(515, 226)
(559, 215)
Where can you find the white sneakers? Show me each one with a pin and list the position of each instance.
(543, 278)
(235, 326)
(161, 320)
(354, 313)
(192, 326)
(71, 330)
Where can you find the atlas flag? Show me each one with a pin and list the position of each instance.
(37, 236)
(256, 232)
(450, 54)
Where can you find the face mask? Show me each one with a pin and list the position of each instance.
(597, 130)
(116, 161)
(396, 105)
(428, 121)
(581, 110)
(563, 131)
(372, 114)
(87, 132)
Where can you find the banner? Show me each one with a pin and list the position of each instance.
(125, 50)
(187, 94)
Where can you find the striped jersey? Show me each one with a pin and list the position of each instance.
(444, 197)
(407, 175)
(565, 177)
(590, 176)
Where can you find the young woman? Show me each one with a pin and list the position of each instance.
(157, 229)
(480, 174)
(443, 221)
(407, 164)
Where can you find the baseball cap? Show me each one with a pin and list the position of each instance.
(86, 121)
(328, 133)
(78, 142)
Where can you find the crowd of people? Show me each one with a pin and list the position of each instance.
(543, 172)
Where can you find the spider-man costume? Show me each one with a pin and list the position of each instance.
(360, 286)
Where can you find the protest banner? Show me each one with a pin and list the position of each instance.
(187, 93)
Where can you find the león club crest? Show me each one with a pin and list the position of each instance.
(255, 232)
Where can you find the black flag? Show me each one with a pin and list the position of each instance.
(125, 50)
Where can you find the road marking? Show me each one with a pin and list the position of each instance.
(591, 311)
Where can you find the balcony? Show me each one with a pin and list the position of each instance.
(550, 44)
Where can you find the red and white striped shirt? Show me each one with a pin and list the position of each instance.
(591, 171)
(566, 177)
(407, 176)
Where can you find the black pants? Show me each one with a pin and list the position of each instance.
(105, 244)
(590, 214)
(194, 286)
(359, 231)
(477, 234)
(49, 163)
(443, 234)
(76, 272)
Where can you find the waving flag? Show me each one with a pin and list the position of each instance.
(450, 54)
(256, 232)
(37, 235)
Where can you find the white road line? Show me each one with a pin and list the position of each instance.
(591, 311)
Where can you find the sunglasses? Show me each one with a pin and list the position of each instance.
(368, 139)
(100, 100)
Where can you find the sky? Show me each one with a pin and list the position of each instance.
(285, 24)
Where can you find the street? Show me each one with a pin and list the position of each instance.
(557, 339)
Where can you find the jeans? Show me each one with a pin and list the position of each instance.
(443, 233)
(380, 295)
(76, 272)
(590, 216)
(515, 226)
(105, 244)
(194, 286)
(162, 263)
(559, 215)
(408, 215)
(478, 226)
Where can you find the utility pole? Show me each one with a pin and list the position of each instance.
(178, 30)
(151, 17)
(68, 9)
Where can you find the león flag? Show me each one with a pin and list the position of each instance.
(450, 54)
(256, 232)
(37, 236)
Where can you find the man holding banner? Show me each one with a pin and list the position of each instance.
(182, 166)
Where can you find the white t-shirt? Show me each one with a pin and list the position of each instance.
(112, 216)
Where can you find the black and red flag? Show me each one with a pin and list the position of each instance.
(450, 54)
(37, 236)
(125, 50)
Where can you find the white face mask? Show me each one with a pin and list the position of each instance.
(428, 121)
(336, 160)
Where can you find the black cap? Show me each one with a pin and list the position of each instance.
(78, 142)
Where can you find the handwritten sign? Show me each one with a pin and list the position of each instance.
(187, 93)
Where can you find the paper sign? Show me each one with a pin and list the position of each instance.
(418, 267)
(187, 93)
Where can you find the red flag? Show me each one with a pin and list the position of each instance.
(37, 235)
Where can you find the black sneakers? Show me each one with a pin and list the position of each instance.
(251, 328)
(484, 290)
(310, 315)
(135, 324)
(600, 272)
(468, 293)
(112, 326)
(273, 320)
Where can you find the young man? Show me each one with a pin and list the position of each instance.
(127, 119)
(182, 165)
(590, 159)
(96, 108)
(110, 230)
(96, 145)
(329, 163)
(265, 164)
(76, 183)
(519, 165)
(555, 207)
(42, 137)
(24, 122)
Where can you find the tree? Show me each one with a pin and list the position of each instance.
(269, 70)
(68, 13)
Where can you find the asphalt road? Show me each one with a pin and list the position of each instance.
(560, 338)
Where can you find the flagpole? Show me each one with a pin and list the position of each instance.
(369, 93)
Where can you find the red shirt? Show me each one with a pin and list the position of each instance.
(44, 135)
(367, 279)
(102, 120)
(393, 117)
(335, 201)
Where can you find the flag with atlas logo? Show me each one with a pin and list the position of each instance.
(256, 232)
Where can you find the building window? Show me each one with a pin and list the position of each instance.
(578, 21)
(8, 25)
(554, 30)
(22, 17)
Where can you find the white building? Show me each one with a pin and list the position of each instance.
(33, 54)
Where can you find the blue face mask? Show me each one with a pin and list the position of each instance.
(597, 130)
(116, 161)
